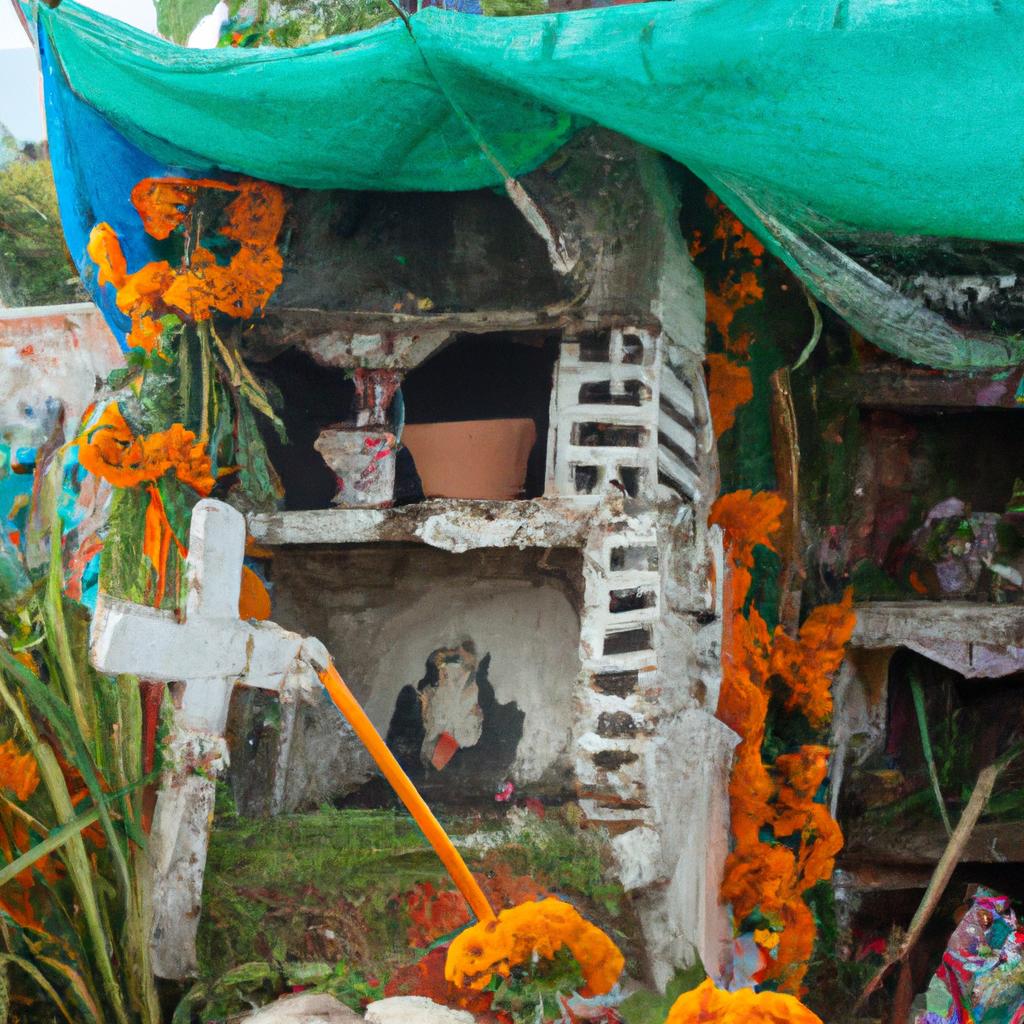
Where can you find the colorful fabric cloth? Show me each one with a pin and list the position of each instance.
(811, 120)
(981, 978)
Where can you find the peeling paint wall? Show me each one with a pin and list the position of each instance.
(384, 609)
(599, 603)
(50, 356)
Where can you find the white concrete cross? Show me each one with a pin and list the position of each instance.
(210, 652)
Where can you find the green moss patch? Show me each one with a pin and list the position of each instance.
(329, 890)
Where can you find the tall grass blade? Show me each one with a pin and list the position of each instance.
(40, 979)
(56, 839)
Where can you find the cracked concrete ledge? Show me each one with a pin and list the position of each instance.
(454, 525)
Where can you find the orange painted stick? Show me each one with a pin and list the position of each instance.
(347, 704)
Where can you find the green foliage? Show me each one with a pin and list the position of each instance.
(298, 22)
(34, 267)
(254, 984)
(646, 1007)
(87, 955)
(513, 8)
(269, 881)
(175, 19)
(568, 857)
(532, 992)
(275, 888)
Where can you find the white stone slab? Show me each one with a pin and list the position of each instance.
(304, 1008)
(414, 1010)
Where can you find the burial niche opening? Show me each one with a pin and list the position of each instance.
(936, 505)
(467, 664)
(889, 814)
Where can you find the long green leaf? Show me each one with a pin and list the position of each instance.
(59, 836)
(65, 727)
(79, 698)
(79, 869)
(75, 857)
(40, 979)
(926, 746)
(76, 981)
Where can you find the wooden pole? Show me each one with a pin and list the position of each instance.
(943, 870)
(786, 454)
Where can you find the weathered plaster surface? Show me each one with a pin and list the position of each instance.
(450, 524)
(382, 610)
(613, 654)
(50, 356)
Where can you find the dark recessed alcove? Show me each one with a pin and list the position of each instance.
(312, 398)
(456, 251)
(970, 723)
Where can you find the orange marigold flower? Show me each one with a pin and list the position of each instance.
(256, 216)
(801, 773)
(104, 250)
(164, 203)
(748, 519)
(15, 895)
(796, 944)
(540, 929)
(18, 772)
(722, 306)
(762, 875)
(247, 284)
(729, 387)
(186, 455)
(143, 291)
(729, 230)
(253, 599)
(192, 293)
(114, 453)
(25, 657)
(708, 1004)
(807, 663)
(145, 333)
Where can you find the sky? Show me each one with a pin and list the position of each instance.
(20, 102)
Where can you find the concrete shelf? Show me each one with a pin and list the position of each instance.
(902, 623)
(448, 523)
(997, 842)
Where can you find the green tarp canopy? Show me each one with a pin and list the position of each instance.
(811, 117)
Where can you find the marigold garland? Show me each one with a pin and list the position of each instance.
(729, 387)
(729, 380)
(540, 929)
(707, 1004)
(202, 287)
(115, 453)
(112, 451)
(777, 798)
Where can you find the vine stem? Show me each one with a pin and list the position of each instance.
(205, 356)
(926, 745)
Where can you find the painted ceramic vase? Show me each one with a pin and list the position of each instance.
(363, 462)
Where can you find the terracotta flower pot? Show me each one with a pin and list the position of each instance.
(472, 458)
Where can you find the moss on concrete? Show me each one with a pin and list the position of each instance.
(329, 886)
